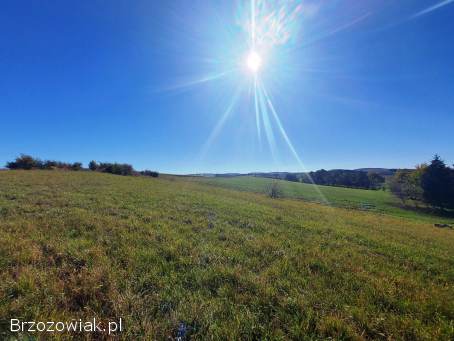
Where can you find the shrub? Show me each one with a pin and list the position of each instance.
(28, 162)
(64, 165)
(76, 166)
(274, 190)
(149, 173)
(24, 162)
(49, 164)
(116, 168)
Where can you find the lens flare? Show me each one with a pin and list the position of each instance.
(254, 62)
(266, 35)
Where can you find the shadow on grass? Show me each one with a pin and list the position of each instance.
(433, 212)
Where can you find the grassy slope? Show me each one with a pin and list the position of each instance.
(378, 201)
(229, 264)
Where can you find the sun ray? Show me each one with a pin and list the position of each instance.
(208, 78)
(432, 8)
(269, 25)
(289, 142)
(217, 129)
(267, 124)
(257, 111)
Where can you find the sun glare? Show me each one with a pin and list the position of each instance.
(254, 62)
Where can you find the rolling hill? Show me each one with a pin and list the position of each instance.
(226, 264)
(378, 201)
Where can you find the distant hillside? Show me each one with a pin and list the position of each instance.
(365, 178)
(283, 175)
(379, 171)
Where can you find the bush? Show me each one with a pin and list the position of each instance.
(49, 164)
(274, 190)
(116, 168)
(76, 166)
(24, 162)
(149, 173)
(28, 162)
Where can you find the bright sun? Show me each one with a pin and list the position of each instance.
(254, 61)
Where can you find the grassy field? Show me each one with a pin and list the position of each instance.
(378, 201)
(228, 264)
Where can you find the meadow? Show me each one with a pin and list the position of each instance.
(379, 201)
(227, 264)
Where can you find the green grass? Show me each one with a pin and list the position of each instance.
(229, 264)
(378, 201)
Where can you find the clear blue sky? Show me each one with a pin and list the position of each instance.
(355, 84)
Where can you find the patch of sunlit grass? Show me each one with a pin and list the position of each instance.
(228, 264)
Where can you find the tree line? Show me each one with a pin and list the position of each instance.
(431, 184)
(338, 177)
(345, 178)
(28, 162)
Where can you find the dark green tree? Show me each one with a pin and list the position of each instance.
(437, 184)
(93, 165)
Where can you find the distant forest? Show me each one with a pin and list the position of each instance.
(363, 179)
(345, 178)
